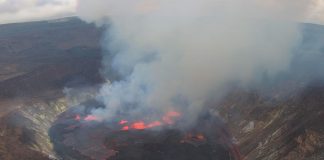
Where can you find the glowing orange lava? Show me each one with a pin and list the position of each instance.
(138, 125)
(125, 128)
(77, 117)
(167, 119)
(191, 137)
(90, 118)
(154, 124)
(200, 137)
(123, 122)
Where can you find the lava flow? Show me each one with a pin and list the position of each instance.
(124, 139)
(167, 119)
(91, 118)
(87, 118)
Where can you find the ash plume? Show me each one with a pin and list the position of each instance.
(175, 54)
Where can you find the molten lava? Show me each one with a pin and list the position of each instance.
(77, 117)
(138, 125)
(125, 128)
(91, 118)
(190, 137)
(167, 119)
(87, 118)
(123, 122)
(154, 124)
(200, 137)
(122, 137)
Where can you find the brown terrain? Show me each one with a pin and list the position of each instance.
(41, 62)
(37, 60)
(283, 120)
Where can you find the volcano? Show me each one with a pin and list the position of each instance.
(43, 58)
(78, 135)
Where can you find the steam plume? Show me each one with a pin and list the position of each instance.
(176, 53)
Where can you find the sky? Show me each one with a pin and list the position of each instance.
(29, 10)
(12, 11)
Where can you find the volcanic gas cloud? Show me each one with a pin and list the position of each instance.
(176, 55)
(173, 58)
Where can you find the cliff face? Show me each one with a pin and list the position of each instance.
(39, 61)
(24, 131)
(269, 129)
(282, 118)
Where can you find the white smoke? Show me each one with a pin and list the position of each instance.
(176, 53)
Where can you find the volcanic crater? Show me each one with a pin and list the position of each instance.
(77, 134)
(33, 76)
